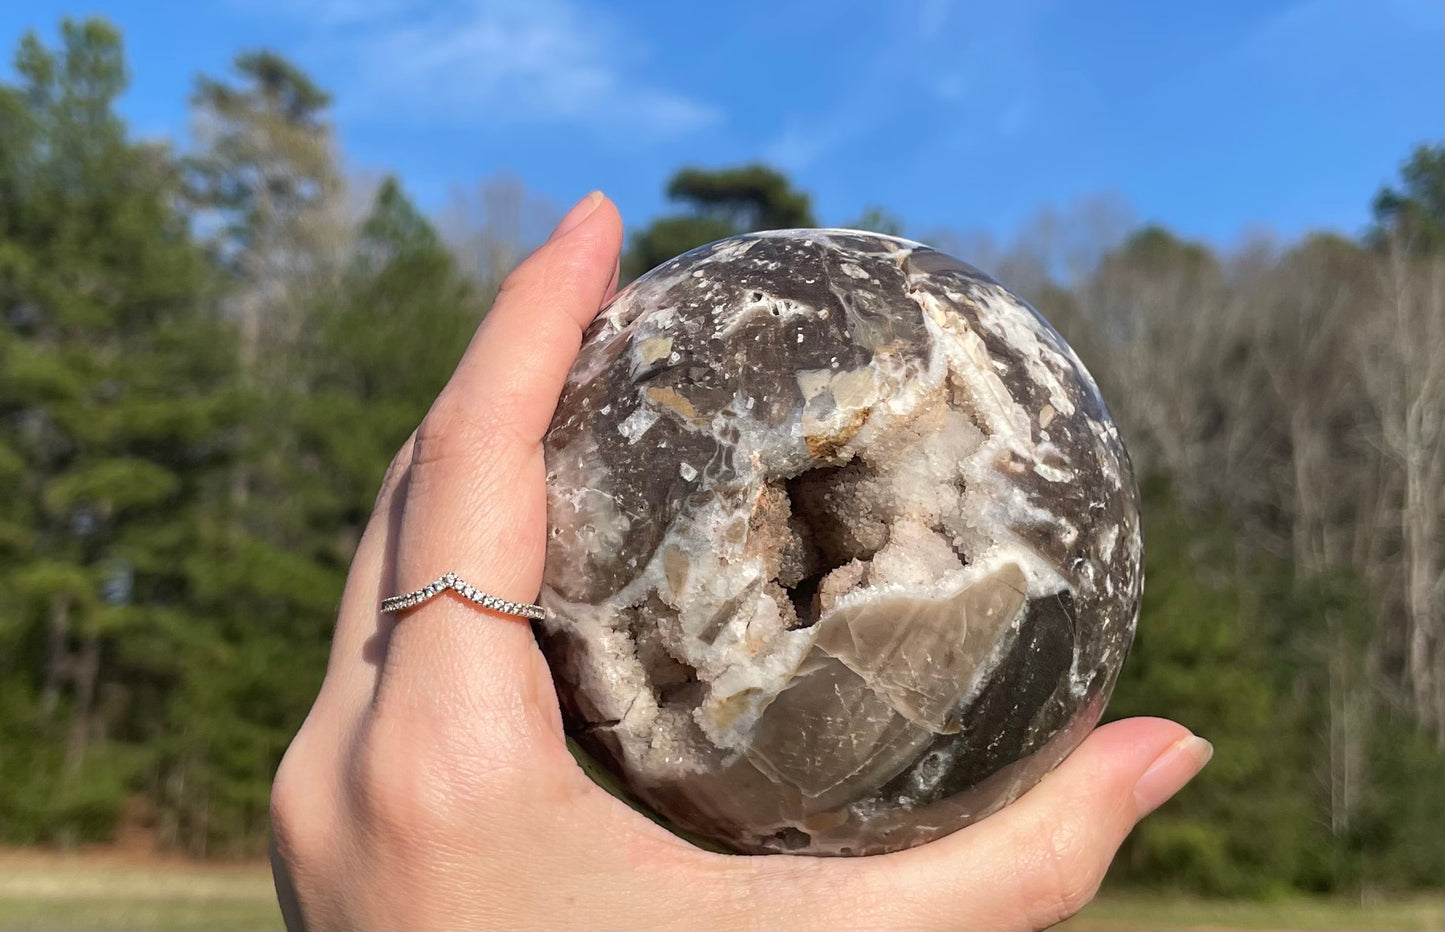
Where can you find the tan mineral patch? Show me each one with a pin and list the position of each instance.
(1010, 464)
(654, 349)
(854, 389)
(726, 712)
(824, 446)
(675, 566)
(670, 398)
(768, 530)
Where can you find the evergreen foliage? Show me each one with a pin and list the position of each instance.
(206, 367)
(717, 204)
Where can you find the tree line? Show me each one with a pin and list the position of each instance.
(208, 357)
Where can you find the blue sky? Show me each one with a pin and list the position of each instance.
(1215, 118)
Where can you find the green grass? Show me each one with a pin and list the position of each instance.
(1125, 911)
(53, 892)
(122, 913)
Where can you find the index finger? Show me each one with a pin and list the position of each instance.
(476, 491)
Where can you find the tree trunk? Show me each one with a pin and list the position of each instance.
(57, 652)
(1421, 578)
(1419, 344)
(85, 674)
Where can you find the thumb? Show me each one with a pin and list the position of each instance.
(1041, 859)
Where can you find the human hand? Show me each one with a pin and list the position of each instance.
(431, 785)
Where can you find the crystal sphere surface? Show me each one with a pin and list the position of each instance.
(843, 547)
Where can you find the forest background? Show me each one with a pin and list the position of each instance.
(208, 356)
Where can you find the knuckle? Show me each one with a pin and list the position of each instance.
(515, 280)
(392, 785)
(410, 781)
(446, 433)
(453, 431)
(392, 480)
(299, 811)
(285, 807)
(535, 275)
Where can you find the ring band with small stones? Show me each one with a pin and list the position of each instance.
(456, 584)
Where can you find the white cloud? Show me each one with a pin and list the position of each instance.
(490, 61)
(979, 63)
(802, 143)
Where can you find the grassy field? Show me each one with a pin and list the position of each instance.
(111, 891)
(108, 892)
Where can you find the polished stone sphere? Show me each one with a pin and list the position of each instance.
(843, 546)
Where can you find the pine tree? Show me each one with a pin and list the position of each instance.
(266, 180)
(111, 392)
(383, 352)
(1208, 654)
(266, 572)
(718, 204)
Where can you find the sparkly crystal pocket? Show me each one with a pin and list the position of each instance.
(843, 549)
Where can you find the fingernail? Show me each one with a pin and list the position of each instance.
(1170, 771)
(579, 212)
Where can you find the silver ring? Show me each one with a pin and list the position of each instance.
(453, 582)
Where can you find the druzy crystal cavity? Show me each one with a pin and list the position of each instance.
(844, 548)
